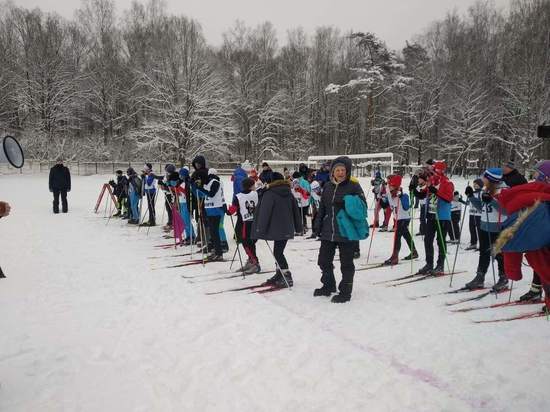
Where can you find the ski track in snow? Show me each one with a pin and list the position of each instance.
(87, 325)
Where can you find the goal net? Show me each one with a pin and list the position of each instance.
(279, 165)
(365, 164)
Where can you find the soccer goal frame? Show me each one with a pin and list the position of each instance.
(363, 163)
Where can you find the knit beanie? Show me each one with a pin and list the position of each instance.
(494, 174)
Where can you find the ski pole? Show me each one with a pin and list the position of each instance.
(396, 228)
(277, 264)
(238, 250)
(458, 244)
(491, 251)
(370, 243)
(412, 231)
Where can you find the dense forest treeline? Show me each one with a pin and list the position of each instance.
(143, 83)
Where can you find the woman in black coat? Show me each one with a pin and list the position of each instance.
(277, 218)
(327, 227)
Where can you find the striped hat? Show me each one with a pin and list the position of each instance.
(493, 174)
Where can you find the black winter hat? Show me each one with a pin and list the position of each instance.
(199, 162)
(130, 171)
(247, 183)
(278, 176)
(118, 172)
(296, 175)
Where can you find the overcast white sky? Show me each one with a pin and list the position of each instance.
(392, 20)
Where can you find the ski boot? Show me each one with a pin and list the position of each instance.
(340, 298)
(225, 246)
(533, 295)
(439, 269)
(117, 214)
(324, 291)
(426, 269)
(392, 261)
(411, 256)
(253, 268)
(213, 257)
(502, 284)
(246, 266)
(133, 222)
(356, 255)
(285, 281)
(167, 227)
(545, 310)
(272, 281)
(471, 247)
(477, 282)
(383, 228)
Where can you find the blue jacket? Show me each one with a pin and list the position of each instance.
(238, 176)
(322, 176)
(443, 208)
(352, 219)
(533, 233)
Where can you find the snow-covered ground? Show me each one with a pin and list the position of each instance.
(87, 324)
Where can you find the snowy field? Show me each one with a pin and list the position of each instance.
(88, 325)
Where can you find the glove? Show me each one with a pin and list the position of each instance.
(433, 189)
(232, 210)
(469, 191)
(486, 197)
(400, 193)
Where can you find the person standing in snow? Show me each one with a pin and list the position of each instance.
(475, 214)
(277, 218)
(239, 174)
(439, 194)
(208, 187)
(492, 218)
(134, 195)
(400, 205)
(244, 204)
(301, 190)
(267, 174)
(341, 222)
(527, 232)
(150, 189)
(168, 197)
(60, 185)
(456, 212)
(120, 191)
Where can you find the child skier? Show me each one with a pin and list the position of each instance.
(150, 189)
(400, 205)
(475, 214)
(277, 218)
(244, 203)
(492, 217)
(315, 199)
(301, 190)
(439, 192)
(456, 211)
(120, 190)
(134, 194)
(208, 187)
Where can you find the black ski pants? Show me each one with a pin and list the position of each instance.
(279, 254)
(64, 204)
(325, 262)
(402, 231)
(474, 226)
(432, 232)
(214, 228)
(486, 240)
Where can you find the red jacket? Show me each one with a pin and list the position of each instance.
(445, 190)
(513, 200)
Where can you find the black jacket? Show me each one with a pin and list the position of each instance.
(277, 216)
(60, 178)
(332, 201)
(514, 178)
(120, 188)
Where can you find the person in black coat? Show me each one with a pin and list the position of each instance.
(511, 176)
(326, 226)
(277, 217)
(266, 176)
(60, 185)
(120, 191)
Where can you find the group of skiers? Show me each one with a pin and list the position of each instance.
(275, 207)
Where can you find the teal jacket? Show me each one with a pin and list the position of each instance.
(352, 219)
